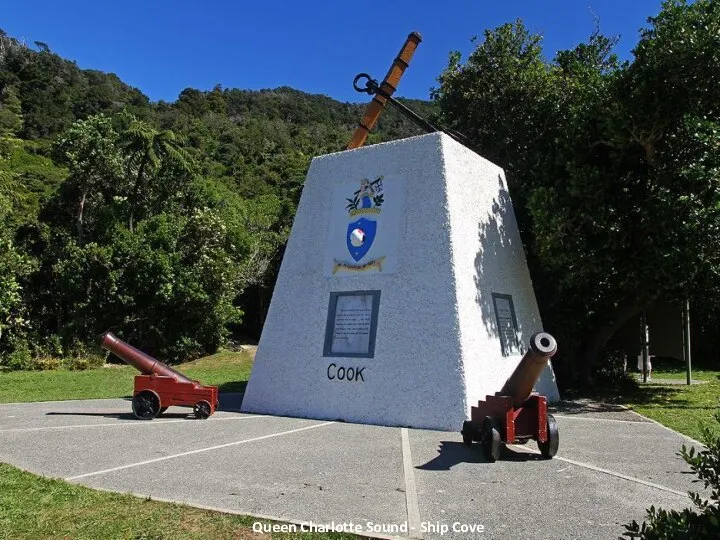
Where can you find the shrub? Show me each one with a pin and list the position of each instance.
(44, 363)
(612, 371)
(700, 522)
(77, 364)
(81, 363)
(19, 358)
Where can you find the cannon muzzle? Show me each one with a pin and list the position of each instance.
(145, 364)
(520, 384)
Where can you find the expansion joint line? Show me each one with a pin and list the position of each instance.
(608, 472)
(191, 452)
(411, 498)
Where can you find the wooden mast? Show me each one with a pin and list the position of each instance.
(388, 86)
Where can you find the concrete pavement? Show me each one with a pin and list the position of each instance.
(611, 466)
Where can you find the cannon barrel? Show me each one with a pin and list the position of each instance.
(520, 384)
(145, 364)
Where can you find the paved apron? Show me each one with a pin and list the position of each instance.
(611, 466)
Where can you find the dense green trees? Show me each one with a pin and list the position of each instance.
(151, 154)
(133, 240)
(166, 221)
(89, 150)
(11, 120)
(14, 266)
(163, 222)
(613, 168)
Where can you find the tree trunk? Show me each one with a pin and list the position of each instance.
(81, 210)
(136, 192)
(602, 334)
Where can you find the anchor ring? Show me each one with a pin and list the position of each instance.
(371, 85)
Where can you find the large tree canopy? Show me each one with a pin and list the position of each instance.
(613, 168)
(162, 221)
(166, 221)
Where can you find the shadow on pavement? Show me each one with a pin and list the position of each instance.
(229, 402)
(611, 399)
(512, 455)
(233, 387)
(452, 453)
(120, 416)
(580, 406)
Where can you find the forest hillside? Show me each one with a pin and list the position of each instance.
(162, 221)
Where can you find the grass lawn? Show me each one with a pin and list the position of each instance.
(227, 370)
(680, 407)
(36, 507)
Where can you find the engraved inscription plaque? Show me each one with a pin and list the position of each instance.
(506, 323)
(352, 324)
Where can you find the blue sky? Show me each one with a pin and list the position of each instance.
(163, 46)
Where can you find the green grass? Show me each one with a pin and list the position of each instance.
(680, 407)
(227, 370)
(683, 408)
(35, 507)
(679, 374)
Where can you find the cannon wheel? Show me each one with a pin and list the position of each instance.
(202, 410)
(146, 405)
(549, 449)
(491, 442)
(467, 432)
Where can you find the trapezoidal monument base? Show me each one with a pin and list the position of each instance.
(404, 295)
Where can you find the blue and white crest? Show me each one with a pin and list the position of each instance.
(360, 236)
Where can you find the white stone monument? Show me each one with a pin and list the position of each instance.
(403, 297)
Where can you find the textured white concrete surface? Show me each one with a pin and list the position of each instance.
(488, 258)
(437, 350)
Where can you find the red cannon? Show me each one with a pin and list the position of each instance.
(160, 386)
(514, 415)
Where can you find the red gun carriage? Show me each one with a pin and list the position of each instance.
(160, 386)
(515, 415)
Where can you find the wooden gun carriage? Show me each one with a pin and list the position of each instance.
(514, 415)
(160, 386)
